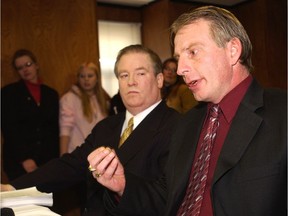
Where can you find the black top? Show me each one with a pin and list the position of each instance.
(29, 131)
(117, 105)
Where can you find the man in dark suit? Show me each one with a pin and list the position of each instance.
(144, 152)
(242, 168)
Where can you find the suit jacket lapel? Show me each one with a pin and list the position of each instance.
(245, 121)
(142, 135)
(115, 127)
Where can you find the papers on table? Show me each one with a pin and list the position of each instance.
(33, 210)
(27, 202)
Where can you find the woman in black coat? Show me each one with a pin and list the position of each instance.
(29, 119)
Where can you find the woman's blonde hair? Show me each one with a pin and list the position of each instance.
(101, 95)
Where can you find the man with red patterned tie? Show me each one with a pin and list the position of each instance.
(238, 167)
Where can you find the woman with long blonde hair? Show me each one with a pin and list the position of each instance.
(82, 107)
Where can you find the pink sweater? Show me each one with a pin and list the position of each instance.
(72, 121)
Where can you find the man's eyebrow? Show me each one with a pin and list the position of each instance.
(141, 68)
(189, 47)
(122, 71)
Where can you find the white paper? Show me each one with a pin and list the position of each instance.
(33, 210)
(26, 196)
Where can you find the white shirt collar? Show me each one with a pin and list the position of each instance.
(139, 117)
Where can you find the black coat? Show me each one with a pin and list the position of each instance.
(29, 131)
(144, 153)
(250, 176)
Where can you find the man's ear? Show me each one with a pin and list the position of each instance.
(160, 80)
(235, 50)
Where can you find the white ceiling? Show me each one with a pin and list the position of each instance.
(139, 3)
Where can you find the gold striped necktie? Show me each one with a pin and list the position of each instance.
(126, 132)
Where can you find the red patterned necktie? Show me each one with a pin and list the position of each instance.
(192, 201)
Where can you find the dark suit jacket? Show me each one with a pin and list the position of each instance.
(250, 176)
(29, 131)
(144, 153)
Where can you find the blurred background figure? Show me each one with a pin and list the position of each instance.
(82, 107)
(174, 91)
(29, 119)
(116, 105)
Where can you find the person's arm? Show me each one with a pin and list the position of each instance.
(66, 121)
(15, 132)
(58, 173)
(64, 141)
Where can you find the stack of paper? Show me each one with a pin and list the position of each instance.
(27, 201)
(33, 210)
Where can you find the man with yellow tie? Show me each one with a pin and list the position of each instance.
(143, 153)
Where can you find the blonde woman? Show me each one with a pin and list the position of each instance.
(82, 107)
